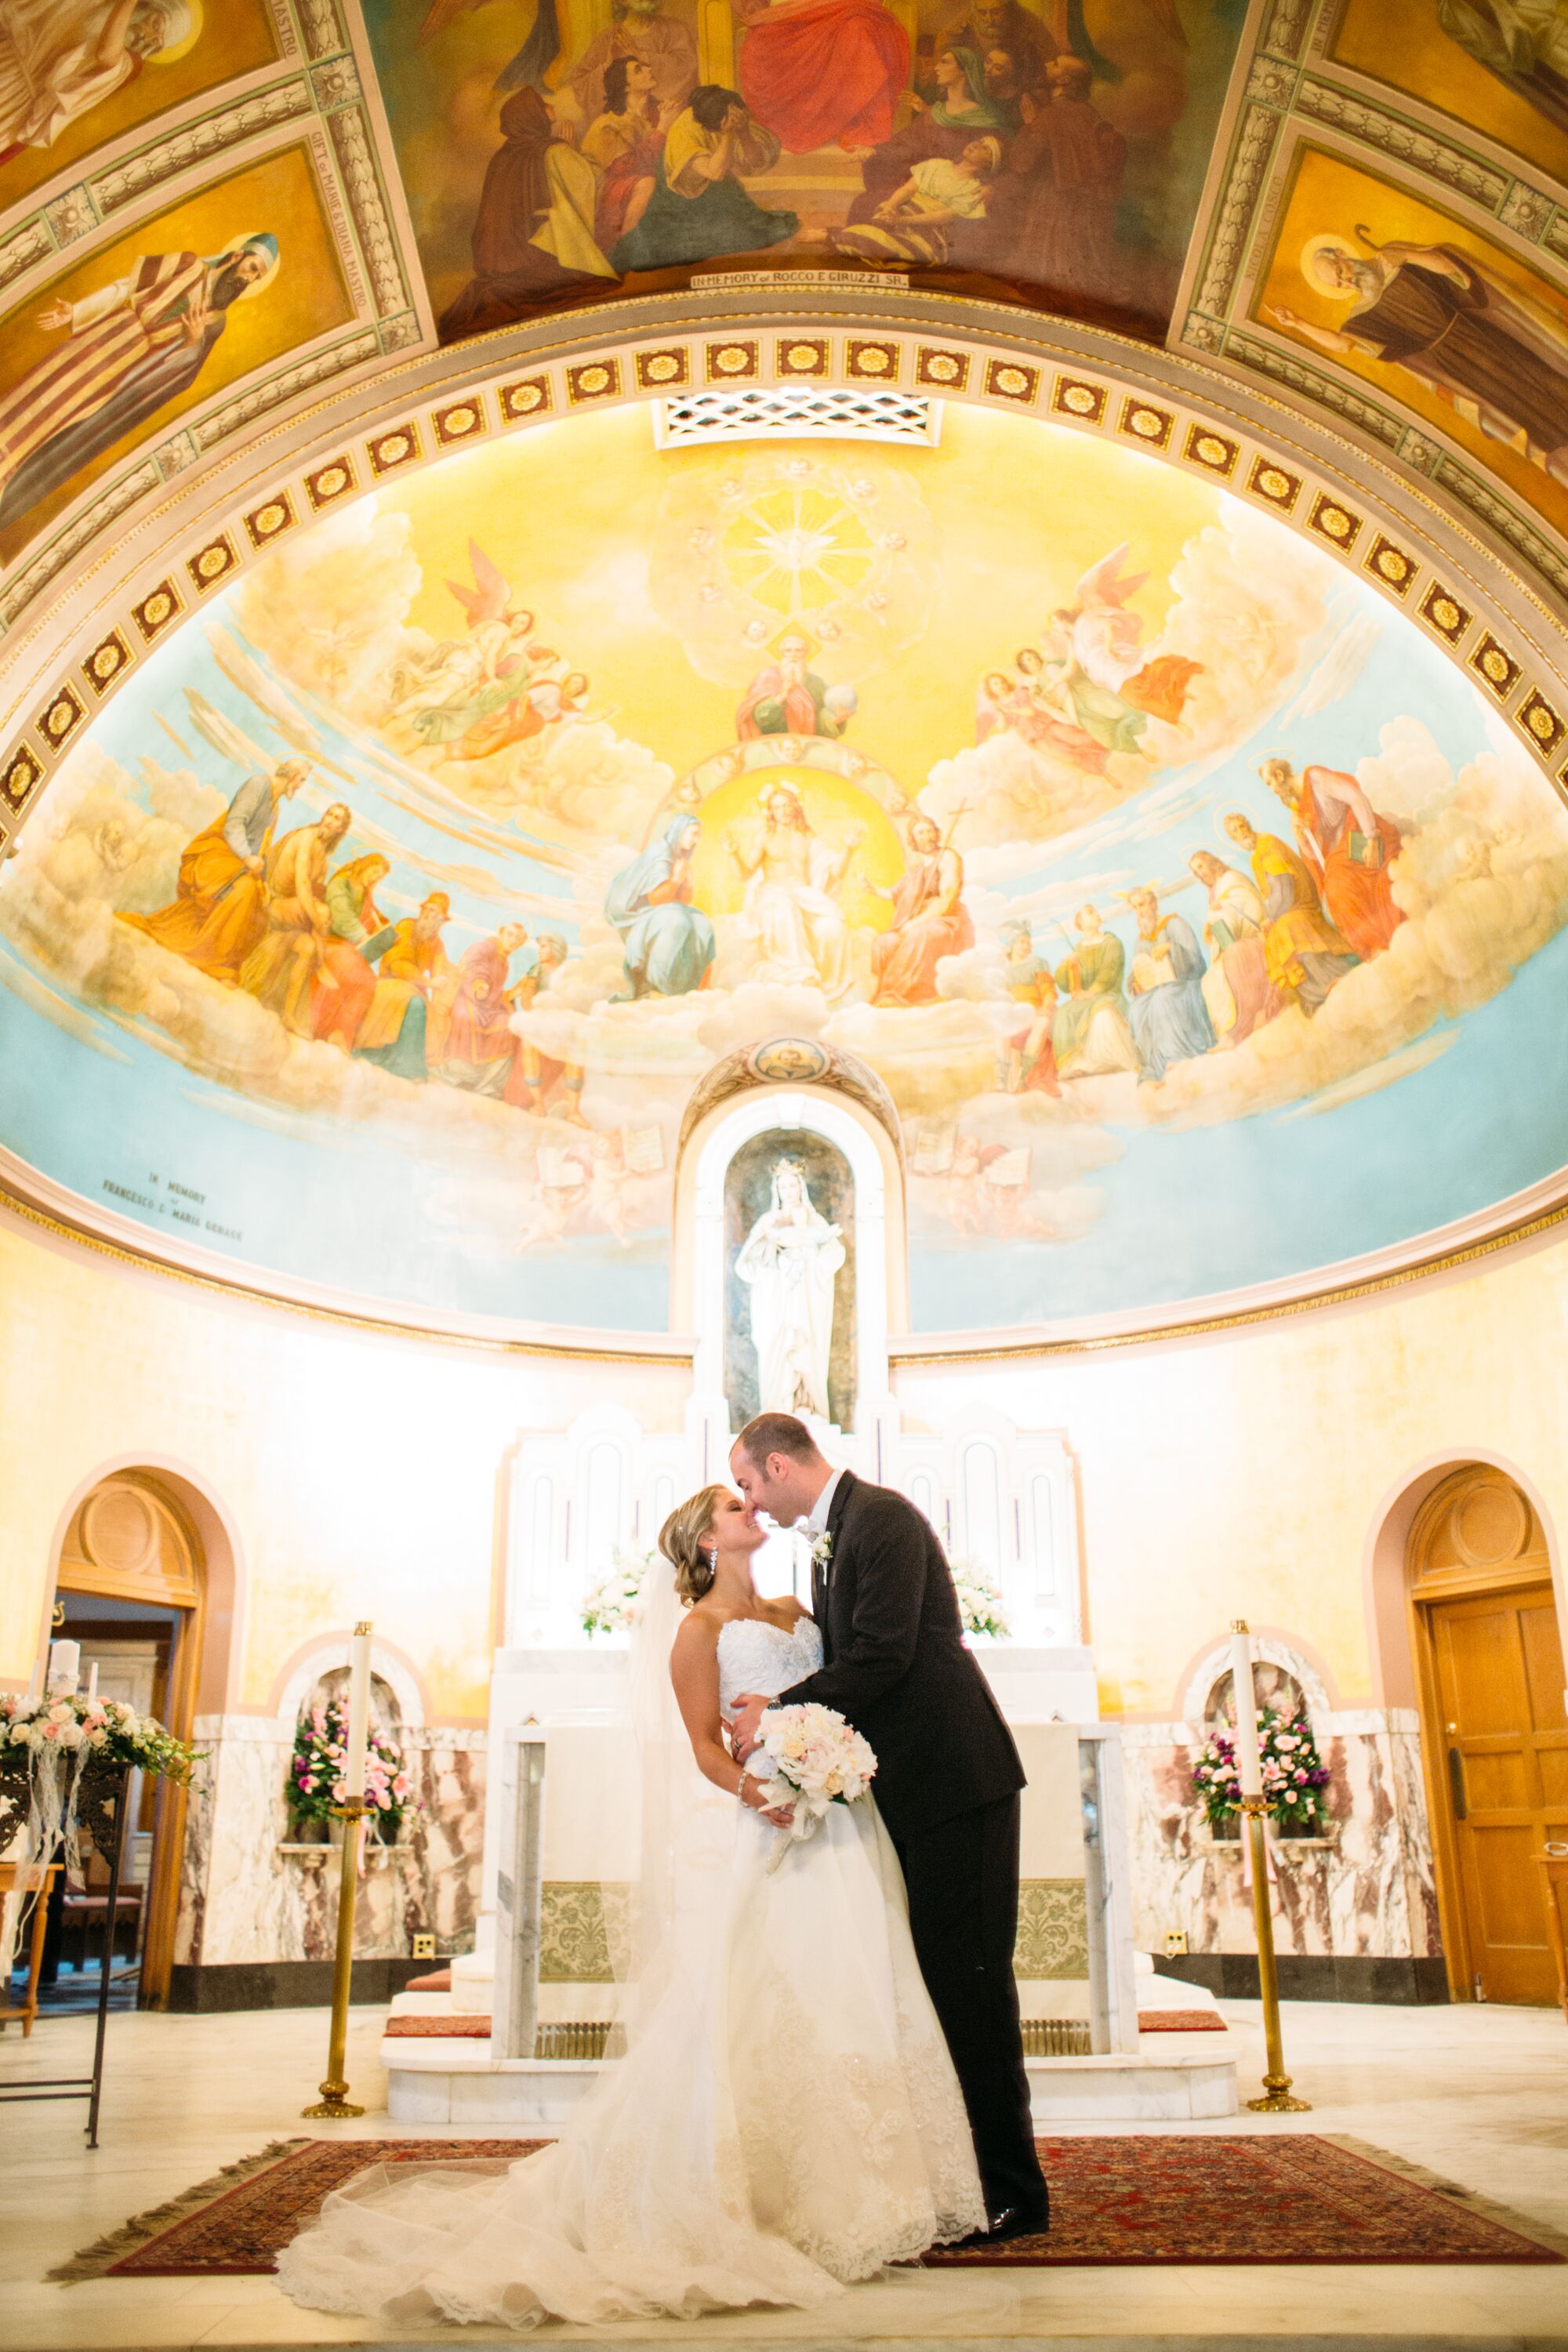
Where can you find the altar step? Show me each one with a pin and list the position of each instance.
(436, 2080)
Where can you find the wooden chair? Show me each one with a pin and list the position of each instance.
(11, 1872)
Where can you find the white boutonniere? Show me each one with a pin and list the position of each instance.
(821, 1553)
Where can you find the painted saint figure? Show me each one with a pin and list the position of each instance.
(789, 698)
(791, 876)
(668, 943)
(59, 59)
(131, 347)
(1237, 990)
(701, 206)
(481, 1043)
(1498, 357)
(1523, 42)
(623, 144)
(398, 1032)
(1169, 1017)
(284, 966)
(788, 1262)
(638, 29)
(344, 985)
(218, 912)
(1089, 1029)
(1031, 1062)
(1305, 955)
(1349, 846)
(929, 920)
(822, 73)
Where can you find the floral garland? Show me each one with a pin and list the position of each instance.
(47, 1745)
(316, 1787)
(613, 1604)
(1293, 1773)
(981, 1607)
(101, 1729)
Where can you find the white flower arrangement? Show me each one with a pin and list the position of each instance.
(612, 1605)
(808, 1757)
(822, 1551)
(48, 1744)
(981, 1607)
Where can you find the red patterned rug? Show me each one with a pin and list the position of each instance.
(1180, 2020)
(1248, 2197)
(438, 1980)
(447, 2027)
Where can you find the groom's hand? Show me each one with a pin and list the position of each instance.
(750, 1709)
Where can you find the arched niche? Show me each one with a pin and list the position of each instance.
(702, 1252)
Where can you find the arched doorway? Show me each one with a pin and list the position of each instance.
(1490, 1675)
(131, 1589)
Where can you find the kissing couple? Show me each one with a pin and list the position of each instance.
(825, 2072)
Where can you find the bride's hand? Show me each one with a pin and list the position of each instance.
(750, 1797)
(750, 1709)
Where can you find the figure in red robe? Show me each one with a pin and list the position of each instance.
(822, 73)
(1350, 848)
(930, 921)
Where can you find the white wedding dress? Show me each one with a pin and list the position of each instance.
(787, 2121)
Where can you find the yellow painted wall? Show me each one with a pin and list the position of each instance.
(1246, 1475)
(359, 1474)
(1241, 1476)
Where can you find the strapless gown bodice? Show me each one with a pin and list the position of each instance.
(756, 1656)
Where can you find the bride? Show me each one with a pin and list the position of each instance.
(786, 2118)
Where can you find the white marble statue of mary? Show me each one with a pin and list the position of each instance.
(788, 1262)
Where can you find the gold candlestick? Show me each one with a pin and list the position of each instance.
(1276, 2099)
(334, 2100)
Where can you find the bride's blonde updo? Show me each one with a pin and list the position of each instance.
(680, 1539)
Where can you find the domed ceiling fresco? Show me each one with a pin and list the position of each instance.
(1202, 920)
(209, 213)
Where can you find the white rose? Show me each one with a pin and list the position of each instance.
(18, 1737)
(72, 1735)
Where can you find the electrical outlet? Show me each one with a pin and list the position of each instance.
(1176, 1943)
(424, 1947)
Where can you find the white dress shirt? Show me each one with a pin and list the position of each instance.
(817, 1518)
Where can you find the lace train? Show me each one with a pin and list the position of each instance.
(787, 2122)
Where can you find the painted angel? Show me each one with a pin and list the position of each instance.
(1106, 642)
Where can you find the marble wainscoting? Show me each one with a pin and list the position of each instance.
(250, 1900)
(1361, 1895)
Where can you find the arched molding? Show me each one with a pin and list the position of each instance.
(1270, 1646)
(1386, 1553)
(698, 1262)
(147, 573)
(324, 1653)
(220, 1552)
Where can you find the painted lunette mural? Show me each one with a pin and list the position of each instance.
(1056, 148)
(148, 326)
(1204, 924)
(77, 74)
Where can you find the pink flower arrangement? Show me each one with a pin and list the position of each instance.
(316, 1783)
(1294, 1775)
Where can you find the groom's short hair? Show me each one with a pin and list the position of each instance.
(777, 1433)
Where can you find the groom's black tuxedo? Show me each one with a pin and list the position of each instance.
(948, 1777)
(895, 1663)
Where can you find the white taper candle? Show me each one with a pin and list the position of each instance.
(65, 1666)
(359, 1711)
(1248, 1761)
(92, 1680)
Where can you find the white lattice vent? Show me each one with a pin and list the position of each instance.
(796, 411)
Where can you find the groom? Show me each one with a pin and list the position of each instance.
(948, 1774)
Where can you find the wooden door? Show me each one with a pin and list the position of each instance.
(131, 1541)
(1497, 1668)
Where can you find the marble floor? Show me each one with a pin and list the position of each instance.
(1478, 2095)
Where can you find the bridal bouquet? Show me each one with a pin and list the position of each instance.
(808, 1758)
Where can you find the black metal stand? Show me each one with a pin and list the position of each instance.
(112, 1789)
